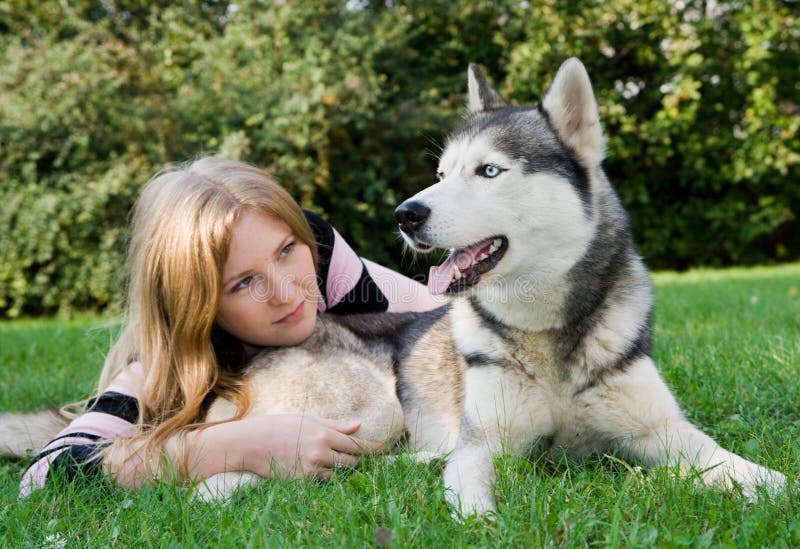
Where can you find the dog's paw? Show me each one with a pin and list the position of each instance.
(469, 480)
(463, 507)
(420, 457)
(762, 481)
(467, 498)
(220, 488)
(424, 457)
(751, 480)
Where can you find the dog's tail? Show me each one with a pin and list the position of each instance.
(22, 435)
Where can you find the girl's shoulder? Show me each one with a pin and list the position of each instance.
(128, 382)
(344, 281)
(324, 233)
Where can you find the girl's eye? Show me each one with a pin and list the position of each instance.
(287, 249)
(489, 170)
(243, 283)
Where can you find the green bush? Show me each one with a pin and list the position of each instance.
(701, 114)
(348, 102)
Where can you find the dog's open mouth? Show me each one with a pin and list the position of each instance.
(465, 266)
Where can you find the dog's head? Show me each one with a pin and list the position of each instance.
(514, 196)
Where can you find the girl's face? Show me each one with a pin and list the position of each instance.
(269, 293)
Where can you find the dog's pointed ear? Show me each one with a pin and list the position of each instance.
(481, 96)
(572, 109)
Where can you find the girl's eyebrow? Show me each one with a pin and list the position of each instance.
(236, 277)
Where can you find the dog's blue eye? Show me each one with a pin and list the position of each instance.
(489, 170)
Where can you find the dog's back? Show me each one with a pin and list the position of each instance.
(333, 375)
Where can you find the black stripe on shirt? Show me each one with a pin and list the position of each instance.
(324, 236)
(364, 297)
(78, 434)
(44, 453)
(78, 460)
(116, 404)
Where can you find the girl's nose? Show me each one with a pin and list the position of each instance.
(285, 290)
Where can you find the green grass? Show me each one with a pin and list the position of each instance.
(728, 342)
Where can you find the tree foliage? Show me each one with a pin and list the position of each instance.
(347, 102)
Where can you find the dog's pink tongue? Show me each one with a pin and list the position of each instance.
(440, 277)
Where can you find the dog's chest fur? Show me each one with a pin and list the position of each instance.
(543, 386)
(484, 342)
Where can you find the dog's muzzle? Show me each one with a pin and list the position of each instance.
(411, 215)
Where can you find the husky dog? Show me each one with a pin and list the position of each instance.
(548, 339)
(546, 342)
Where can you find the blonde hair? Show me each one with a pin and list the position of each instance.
(180, 234)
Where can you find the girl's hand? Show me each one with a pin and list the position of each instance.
(285, 445)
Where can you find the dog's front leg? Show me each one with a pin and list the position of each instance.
(469, 474)
(499, 415)
(650, 426)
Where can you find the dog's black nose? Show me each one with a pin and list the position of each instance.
(411, 215)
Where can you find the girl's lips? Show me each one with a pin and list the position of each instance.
(294, 316)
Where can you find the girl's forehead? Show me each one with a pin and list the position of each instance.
(257, 220)
(255, 234)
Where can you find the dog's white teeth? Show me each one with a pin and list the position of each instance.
(495, 245)
(484, 256)
(457, 271)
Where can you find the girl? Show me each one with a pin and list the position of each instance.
(221, 261)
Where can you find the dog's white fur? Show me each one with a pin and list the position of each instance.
(525, 390)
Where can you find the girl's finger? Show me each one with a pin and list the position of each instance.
(355, 445)
(347, 427)
(342, 460)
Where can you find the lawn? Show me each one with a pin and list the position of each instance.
(727, 341)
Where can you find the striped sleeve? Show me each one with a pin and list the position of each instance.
(349, 284)
(113, 414)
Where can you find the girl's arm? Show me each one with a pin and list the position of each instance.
(75, 449)
(285, 445)
(403, 293)
(99, 441)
